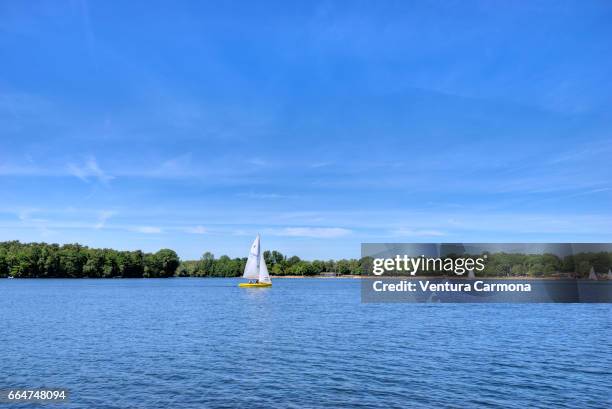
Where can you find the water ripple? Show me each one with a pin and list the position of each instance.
(195, 343)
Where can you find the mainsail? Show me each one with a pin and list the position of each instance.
(256, 268)
(592, 275)
(471, 274)
(251, 270)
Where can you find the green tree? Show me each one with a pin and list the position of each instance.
(318, 266)
(4, 266)
(168, 262)
(291, 261)
(343, 267)
(302, 268)
(94, 266)
(206, 266)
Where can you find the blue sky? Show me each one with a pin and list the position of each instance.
(320, 125)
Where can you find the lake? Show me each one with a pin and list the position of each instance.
(304, 343)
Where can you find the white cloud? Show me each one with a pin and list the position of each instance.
(103, 217)
(177, 166)
(321, 164)
(89, 170)
(315, 232)
(196, 230)
(253, 195)
(257, 162)
(25, 215)
(241, 232)
(27, 169)
(146, 229)
(418, 232)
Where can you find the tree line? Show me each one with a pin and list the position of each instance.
(547, 264)
(497, 265)
(278, 265)
(40, 260)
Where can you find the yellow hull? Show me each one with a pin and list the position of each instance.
(255, 285)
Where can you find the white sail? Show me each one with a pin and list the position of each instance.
(264, 277)
(592, 275)
(471, 274)
(251, 270)
(609, 274)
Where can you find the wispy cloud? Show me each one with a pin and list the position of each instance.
(25, 215)
(146, 229)
(240, 232)
(255, 195)
(320, 164)
(418, 233)
(257, 162)
(586, 153)
(313, 232)
(26, 169)
(89, 170)
(103, 217)
(196, 230)
(177, 166)
(26, 219)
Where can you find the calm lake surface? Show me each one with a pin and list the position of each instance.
(304, 343)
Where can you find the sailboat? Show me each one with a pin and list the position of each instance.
(471, 274)
(256, 268)
(592, 275)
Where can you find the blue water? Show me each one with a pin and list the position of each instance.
(200, 343)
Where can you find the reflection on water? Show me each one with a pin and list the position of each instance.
(197, 343)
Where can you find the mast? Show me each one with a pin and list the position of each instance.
(258, 252)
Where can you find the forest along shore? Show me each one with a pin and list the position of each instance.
(43, 260)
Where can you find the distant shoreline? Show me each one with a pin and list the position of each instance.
(44, 260)
(344, 277)
(436, 277)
